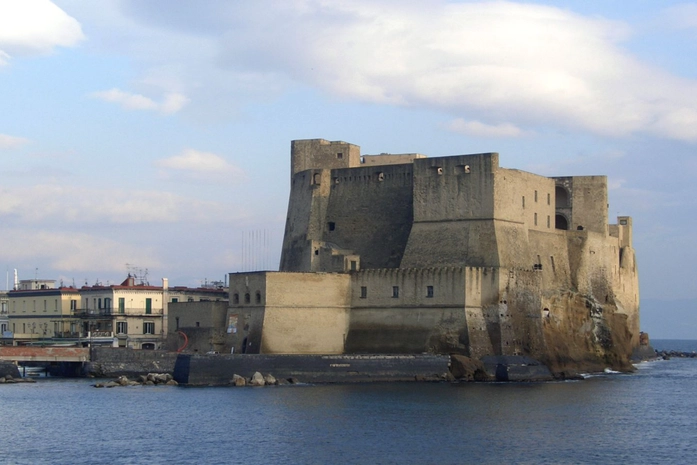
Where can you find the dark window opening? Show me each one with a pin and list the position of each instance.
(246, 298)
(395, 291)
(332, 226)
(561, 197)
(580, 228)
(258, 297)
(339, 155)
(560, 222)
(429, 291)
(235, 298)
(364, 292)
(354, 265)
(317, 252)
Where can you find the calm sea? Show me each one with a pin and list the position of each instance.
(646, 417)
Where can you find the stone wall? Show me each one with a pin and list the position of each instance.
(111, 362)
(219, 369)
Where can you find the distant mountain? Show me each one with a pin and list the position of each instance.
(669, 319)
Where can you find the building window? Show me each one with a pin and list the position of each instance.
(122, 305)
(339, 156)
(246, 298)
(332, 226)
(395, 291)
(429, 291)
(549, 199)
(148, 306)
(198, 324)
(175, 300)
(258, 297)
(73, 304)
(535, 219)
(177, 322)
(121, 327)
(149, 328)
(354, 265)
(364, 292)
(549, 221)
(523, 201)
(235, 298)
(535, 196)
(99, 304)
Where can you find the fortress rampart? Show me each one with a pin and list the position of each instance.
(408, 254)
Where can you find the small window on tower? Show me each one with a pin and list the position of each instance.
(332, 226)
(339, 155)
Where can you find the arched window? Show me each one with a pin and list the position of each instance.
(561, 197)
(560, 222)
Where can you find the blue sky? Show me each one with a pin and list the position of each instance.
(157, 133)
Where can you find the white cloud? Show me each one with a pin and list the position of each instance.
(502, 62)
(72, 251)
(30, 27)
(201, 166)
(62, 204)
(681, 16)
(11, 142)
(477, 128)
(172, 102)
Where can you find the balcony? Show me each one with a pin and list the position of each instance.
(107, 313)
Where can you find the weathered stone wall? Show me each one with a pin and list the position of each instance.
(110, 362)
(204, 324)
(370, 213)
(299, 312)
(407, 311)
(219, 369)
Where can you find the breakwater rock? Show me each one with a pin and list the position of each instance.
(668, 354)
(9, 369)
(151, 379)
(9, 379)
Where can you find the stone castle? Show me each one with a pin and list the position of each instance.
(400, 254)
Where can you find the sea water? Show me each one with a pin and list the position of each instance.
(646, 417)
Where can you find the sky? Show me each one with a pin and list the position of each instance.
(155, 135)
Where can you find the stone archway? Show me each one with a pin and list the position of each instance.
(560, 222)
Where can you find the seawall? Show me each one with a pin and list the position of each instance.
(200, 370)
(111, 362)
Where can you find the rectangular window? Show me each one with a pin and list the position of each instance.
(122, 305)
(121, 327)
(148, 306)
(535, 219)
(535, 196)
(395, 291)
(175, 300)
(549, 199)
(523, 201)
(364, 292)
(429, 291)
(353, 265)
(339, 155)
(548, 221)
(99, 305)
(332, 226)
(149, 328)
